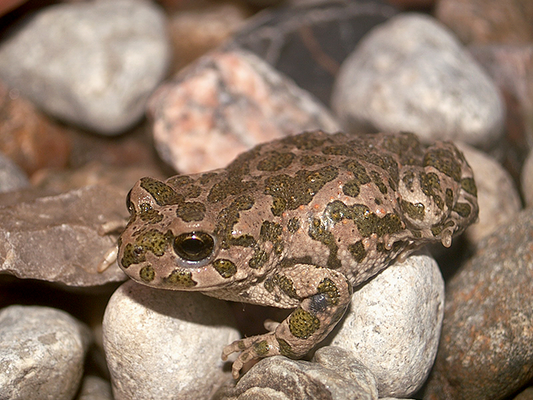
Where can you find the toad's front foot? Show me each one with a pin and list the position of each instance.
(251, 348)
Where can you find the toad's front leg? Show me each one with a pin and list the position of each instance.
(324, 295)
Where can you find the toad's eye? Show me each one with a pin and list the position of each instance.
(194, 246)
(129, 204)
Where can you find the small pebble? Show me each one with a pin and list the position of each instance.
(42, 352)
(393, 324)
(93, 64)
(411, 74)
(163, 344)
(226, 103)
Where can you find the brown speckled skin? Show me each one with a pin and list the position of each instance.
(296, 223)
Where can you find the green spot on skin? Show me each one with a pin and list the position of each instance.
(286, 285)
(225, 268)
(413, 210)
(147, 274)
(293, 225)
(132, 255)
(289, 193)
(376, 178)
(463, 209)
(357, 250)
(149, 215)
(272, 232)
(262, 348)
(469, 186)
(302, 324)
(328, 288)
(191, 211)
(180, 279)
(444, 161)
(285, 348)
(275, 161)
(162, 193)
(318, 231)
(259, 259)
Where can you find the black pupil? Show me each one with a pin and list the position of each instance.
(194, 246)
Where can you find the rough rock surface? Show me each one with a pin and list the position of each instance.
(411, 74)
(42, 352)
(226, 103)
(486, 347)
(334, 374)
(393, 324)
(57, 238)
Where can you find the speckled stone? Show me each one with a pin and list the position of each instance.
(224, 104)
(488, 21)
(309, 40)
(334, 374)
(11, 176)
(57, 237)
(527, 180)
(165, 345)
(498, 198)
(42, 353)
(393, 324)
(93, 64)
(412, 74)
(486, 347)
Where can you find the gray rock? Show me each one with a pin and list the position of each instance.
(411, 74)
(11, 176)
(57, 238)
(486, 348)
(498, 198)
(42, 352)
(95, 388)
(226, 103)
(93, 64)
(335, 374)
(162, 344)
(526, 179)
(393, 324)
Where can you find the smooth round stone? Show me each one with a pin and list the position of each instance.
(93, 64)
(224, 104)
(11, 176)
(42, 352)
(393, 324)
(163, 344)
(411, 74)
(498, 198)
(526, 179)
(486, 348)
